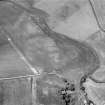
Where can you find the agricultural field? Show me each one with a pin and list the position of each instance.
(52, 52)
